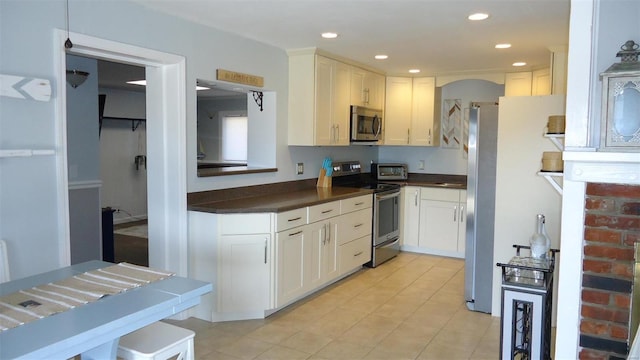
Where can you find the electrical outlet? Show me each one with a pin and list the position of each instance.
(299, 168)
(421, 165)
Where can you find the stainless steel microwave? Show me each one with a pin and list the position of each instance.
(366, 125)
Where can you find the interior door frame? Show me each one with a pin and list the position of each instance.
(166, 145)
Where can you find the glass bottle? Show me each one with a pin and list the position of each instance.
(540, 242)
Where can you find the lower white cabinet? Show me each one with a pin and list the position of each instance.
(410, 216)
(262, 262)
(323, 254)
(439, 225)
(291, 246)
(244, 273)
(434, 221)
(354, 253)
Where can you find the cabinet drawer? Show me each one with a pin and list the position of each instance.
(324, 211)
(354, 225)
(429, 193)
(356, 203)
(355, 253)
(245, 224)
(292, 218)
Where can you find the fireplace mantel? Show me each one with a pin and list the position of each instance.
(602, 167)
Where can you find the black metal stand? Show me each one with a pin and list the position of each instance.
(527, 294)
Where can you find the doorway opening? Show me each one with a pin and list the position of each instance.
(166, 145)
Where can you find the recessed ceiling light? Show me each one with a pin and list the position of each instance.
(329, 35)
(414, 71)
(503, 46)
(478, 16)
(381, 57)
(138, 82)
(520, 63)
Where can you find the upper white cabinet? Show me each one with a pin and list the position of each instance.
(367, 88)
(412, 111)
(425, 117)
(319, 91)
(518, 84)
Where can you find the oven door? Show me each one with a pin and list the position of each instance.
(386, 217)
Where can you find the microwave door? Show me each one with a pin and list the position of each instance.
(376, 126)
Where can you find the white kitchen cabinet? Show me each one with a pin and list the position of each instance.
(439, 225)
(397, 115)
(233, 252)
(541, 82)
(291, 248)
(367, 88)
(322, 266)
(245, 274)
(518, 84)
(354, 253)
(425, 117)
(319, 89)
(308, 257)
(442, 218)
(410, 216)
(412, 109)
(261, 262)
(433, 221)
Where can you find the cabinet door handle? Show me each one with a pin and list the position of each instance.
(360, 203)
(324, 234)
(358, 225)
(461, 213)
(327, 211)
(408, 135)
(329, 232)
(295, 219)
(415, 198)
(358, 254)
(338, 133)
(455, 213)
(265, 251)
(296, 233)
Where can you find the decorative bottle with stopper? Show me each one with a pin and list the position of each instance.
(539, 241)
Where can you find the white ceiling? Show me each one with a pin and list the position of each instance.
(432, 35)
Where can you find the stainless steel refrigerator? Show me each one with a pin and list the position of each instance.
(481, 194)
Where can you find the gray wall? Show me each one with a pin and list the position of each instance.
(28, 201)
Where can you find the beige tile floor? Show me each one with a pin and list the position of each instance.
(411, 307)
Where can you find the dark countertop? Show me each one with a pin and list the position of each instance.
(279, 197)
(457, 182)
(279, 201)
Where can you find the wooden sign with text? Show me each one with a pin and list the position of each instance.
(239, 78)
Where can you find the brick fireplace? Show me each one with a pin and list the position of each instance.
(611, 229)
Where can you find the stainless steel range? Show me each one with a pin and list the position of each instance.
(386, 209)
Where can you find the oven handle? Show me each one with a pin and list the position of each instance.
(387, 195)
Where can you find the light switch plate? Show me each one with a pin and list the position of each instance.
(299, 168)
(421, 165)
